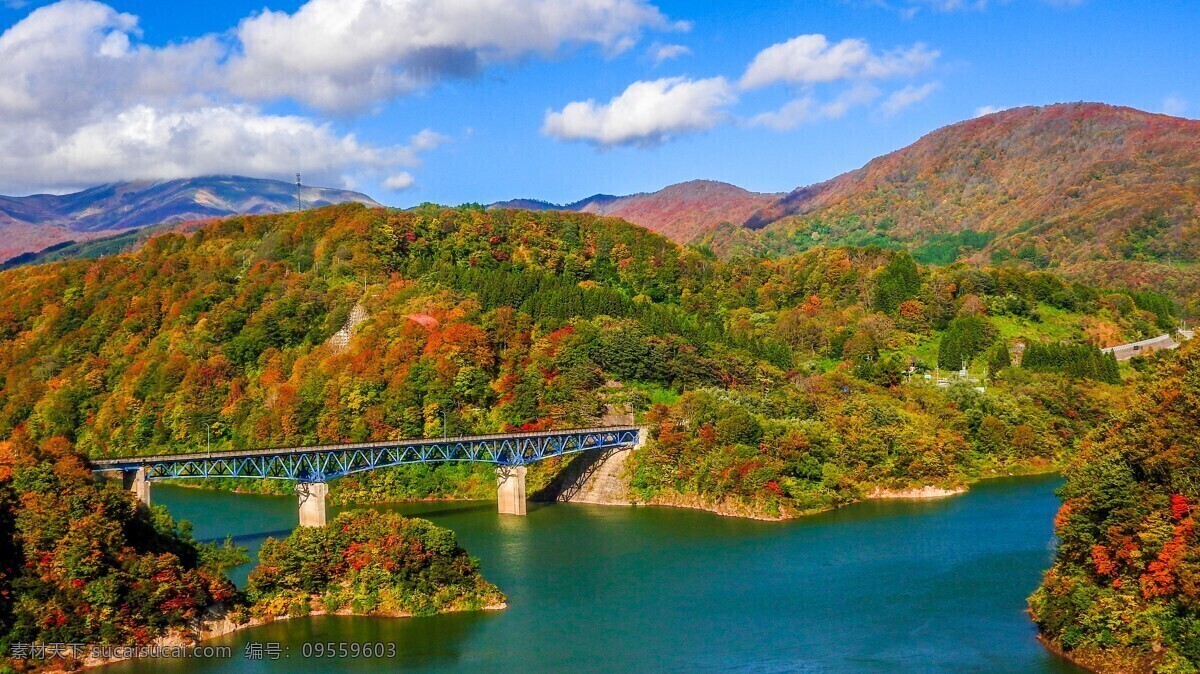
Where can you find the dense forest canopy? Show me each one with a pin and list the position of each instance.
(1096, 192)
(514, 319)
(82, 562)
(368, 563)
(773, 387)
(1124, 592)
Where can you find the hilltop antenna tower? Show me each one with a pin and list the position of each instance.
(299, 201)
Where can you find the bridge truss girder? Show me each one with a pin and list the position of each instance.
(321, 464)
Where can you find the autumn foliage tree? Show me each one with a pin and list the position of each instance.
(368, 562)
(469, 321)
(93, 565)
(1125, 586)
(779, 384)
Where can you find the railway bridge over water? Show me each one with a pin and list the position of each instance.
(312, 467)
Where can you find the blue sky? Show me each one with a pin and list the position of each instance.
(482, 100)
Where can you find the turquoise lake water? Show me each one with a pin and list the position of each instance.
(884, 586)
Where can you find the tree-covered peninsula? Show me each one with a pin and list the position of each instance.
(1124, 592)
(368, 563)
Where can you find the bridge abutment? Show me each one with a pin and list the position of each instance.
(311, 496)
(510, 489)
(136, 482)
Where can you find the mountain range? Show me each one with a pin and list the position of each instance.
(1108, 193)
(1075, 182)
(38, 221)
(681, 212)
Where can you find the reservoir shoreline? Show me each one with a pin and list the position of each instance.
(221, 625)
(884, 585)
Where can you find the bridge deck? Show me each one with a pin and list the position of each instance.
(330, 460)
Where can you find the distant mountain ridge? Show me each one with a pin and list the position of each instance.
(1108, 193)
(681, 212)
(1062, 184)
(1111, 192)
(35, 222)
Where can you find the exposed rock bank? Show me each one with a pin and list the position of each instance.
(928, 491)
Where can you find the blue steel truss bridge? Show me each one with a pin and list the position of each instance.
(311, 467)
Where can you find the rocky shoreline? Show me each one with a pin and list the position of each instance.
(726, 508)
(222, 625)
(928, 491)
(1102, 662)
(734, 508)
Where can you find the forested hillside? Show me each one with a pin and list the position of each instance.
(680, 212)
(1124, 593)
(1105, 193)
(790, 384)
(82, 562)
(773, 387)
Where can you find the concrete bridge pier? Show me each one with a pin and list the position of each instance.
(312, 503)
(136, 482)
(510, 489)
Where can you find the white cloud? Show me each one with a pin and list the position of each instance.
(1174, 106)
(331, 54)
(667, 52)
(649, 113)
(148, 143)
(908, 96)
(426, 140)
(813, 59)
(83, 98)
(63, 61)
(346, 54)
(808, 109)
(399, 182)
(645, 114)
